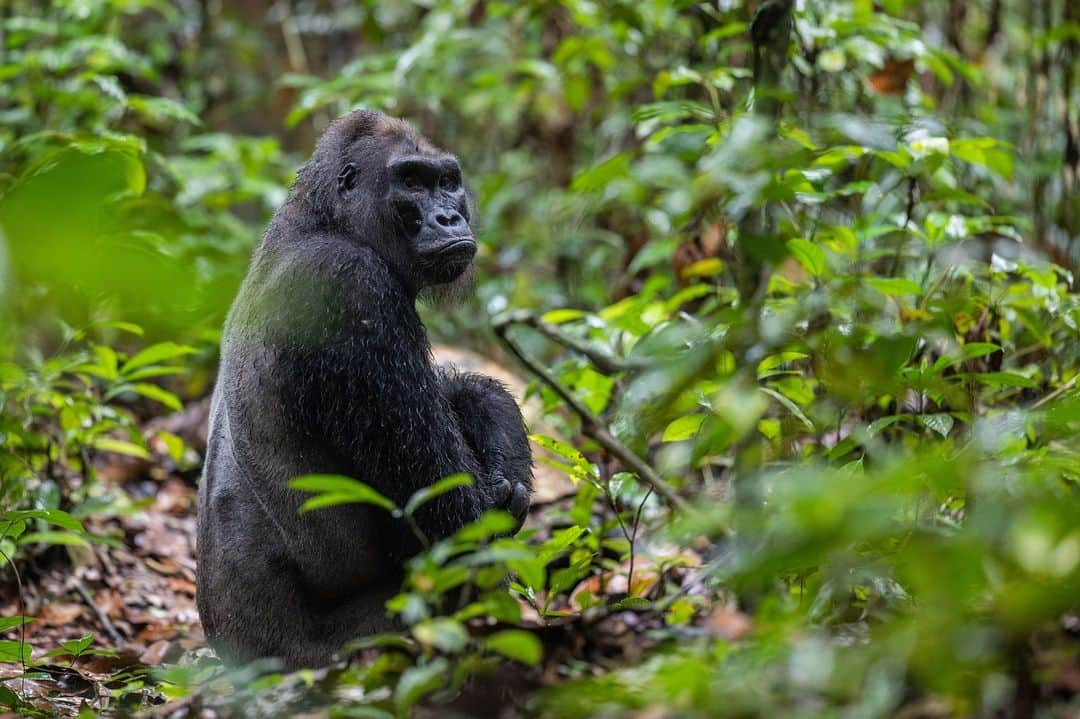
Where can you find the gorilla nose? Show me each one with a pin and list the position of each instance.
(449, 219)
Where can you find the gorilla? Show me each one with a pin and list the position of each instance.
(326, 368)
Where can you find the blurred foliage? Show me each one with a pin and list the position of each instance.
(837, 314)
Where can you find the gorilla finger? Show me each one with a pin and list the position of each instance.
(500, 491)
(519, 502)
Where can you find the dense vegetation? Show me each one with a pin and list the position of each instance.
(797, 298)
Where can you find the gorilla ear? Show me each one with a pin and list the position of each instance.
(346, 179)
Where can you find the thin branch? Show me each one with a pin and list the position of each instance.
(599, 358)
(633, 543)
(102, 618)
(591, 425)
(1057, 392)
(21, 608)
(909, 210)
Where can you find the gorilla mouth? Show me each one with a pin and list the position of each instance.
(457, 244)
(457, 250)
(449, 261)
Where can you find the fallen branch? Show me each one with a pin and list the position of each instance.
(591, 425)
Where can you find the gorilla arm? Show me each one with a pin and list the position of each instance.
(491, 424)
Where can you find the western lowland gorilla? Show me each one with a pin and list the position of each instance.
(326, 368)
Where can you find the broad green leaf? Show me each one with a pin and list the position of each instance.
(942, 422)
(78, 646)
(418, 681)
(516, 644)
(443, 634)
(809, 255)
(598, 177)
(683, 428)
(986, 151)
(531, 571)
(14, 652)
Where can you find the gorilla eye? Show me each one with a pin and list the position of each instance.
(412, 182)
(448, 183)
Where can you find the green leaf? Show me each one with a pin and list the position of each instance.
(119, 446)
(1001, 380)
(516, 644)
(578, 468)
(417, 681)
(174, 445)
(334, 489)
(53, 516)
(14, 652)
(154, 392)
(683, 428)
(941, 422)
(598, 177)
(558, 317)
(444, 634)
(7, 623)
(809, 255)
(444, 485)
(883, 423)
(156, 353)
(78, 646)
(789, 405)
(766, 366)
(69, 538)
(531, 572)
(8, 698)
(986, 151)
(894, 286)
(159, 109)
(492, 523)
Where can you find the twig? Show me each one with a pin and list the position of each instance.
(1056, 393)
(633, 543)
(22, 609)
(909, 210)
(591, 426)
(101, 616)
(600, 359)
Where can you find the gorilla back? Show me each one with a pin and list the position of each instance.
(326, 368)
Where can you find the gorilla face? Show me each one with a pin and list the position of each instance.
(429, 206)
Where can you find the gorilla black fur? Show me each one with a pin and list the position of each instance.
(326, 368)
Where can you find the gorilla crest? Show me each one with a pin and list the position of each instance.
(326, 368)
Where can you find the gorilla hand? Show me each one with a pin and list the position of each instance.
(491, 425)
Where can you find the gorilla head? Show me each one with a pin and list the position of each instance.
(393, 190)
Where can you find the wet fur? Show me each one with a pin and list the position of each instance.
(326, 368)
